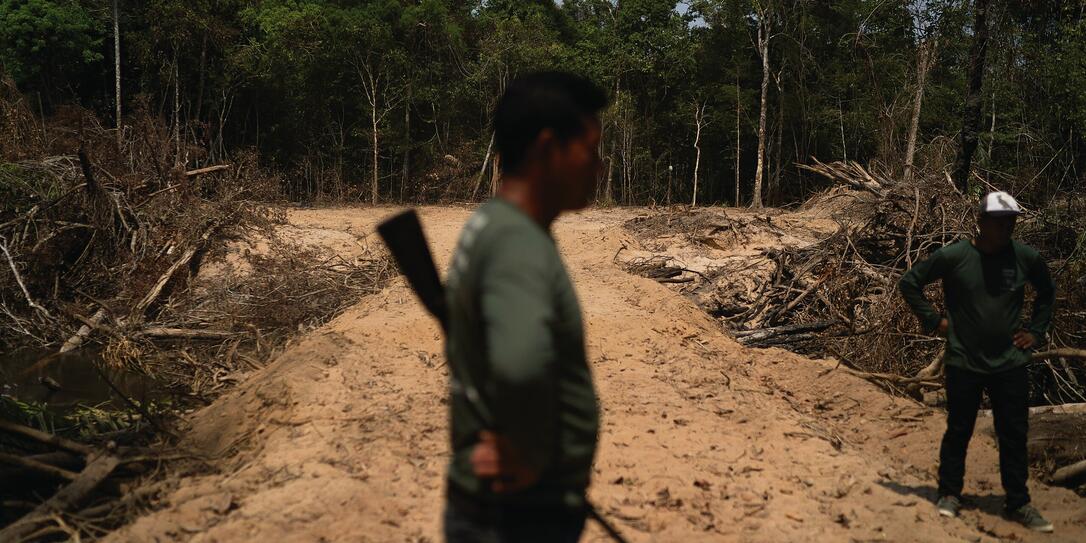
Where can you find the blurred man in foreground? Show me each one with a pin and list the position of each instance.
(524, 409)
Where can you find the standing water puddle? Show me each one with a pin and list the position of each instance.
(65, 384)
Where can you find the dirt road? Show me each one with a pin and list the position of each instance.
(343, 436)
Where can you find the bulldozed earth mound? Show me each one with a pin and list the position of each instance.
(343, 436)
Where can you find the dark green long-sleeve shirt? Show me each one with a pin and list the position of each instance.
(517, 357)
(984, 295)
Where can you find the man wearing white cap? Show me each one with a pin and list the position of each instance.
(987, 346)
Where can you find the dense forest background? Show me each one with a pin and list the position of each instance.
(388, 100)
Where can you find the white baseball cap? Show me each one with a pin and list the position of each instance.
(999, 204)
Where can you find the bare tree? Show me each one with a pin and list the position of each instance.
(699, 123)
(737, 106)
(778, 133)
(117, 68)
(176, 107)
(926, 16)
(608, 189)
(381, 102)
(495, 174)
(925, 57)
(482, 171)
(765, 26)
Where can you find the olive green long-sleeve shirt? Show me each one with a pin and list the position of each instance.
(984, 295)
(517, 357)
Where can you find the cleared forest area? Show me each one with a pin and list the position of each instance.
(188, 193)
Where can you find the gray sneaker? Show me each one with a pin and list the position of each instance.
(1031, 518)
(948, 506)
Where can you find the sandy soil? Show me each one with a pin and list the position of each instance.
(343, 436)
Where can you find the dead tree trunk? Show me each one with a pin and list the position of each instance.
(608, 189)
(775, 178)
(198, 114)
(923, 64)
(626, 150)
(117, 69)
(482, 171)
(176, 108)
(971, 115)
(376, 144)
(371, 84)
(406, 174)
(699, 123)
(841, 118)
(763, 50)
(737, 149)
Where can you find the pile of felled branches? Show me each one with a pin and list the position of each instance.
(100, 239)
(93, 485)
(102, 243)
(839, 297)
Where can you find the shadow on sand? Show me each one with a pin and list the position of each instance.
(988, 503)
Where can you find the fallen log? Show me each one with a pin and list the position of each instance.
(45, 438)
(34, 465)
(59, 459)
(1069, 475)
(162, 332)
(209, 169)
(675, 280)
(1060, 353)
(785, 340)
(747, 337)
(1067, 408)
(894, 379)
(141, 308)
(76, 341)
(19, 280)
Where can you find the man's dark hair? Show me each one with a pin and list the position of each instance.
(559, 101)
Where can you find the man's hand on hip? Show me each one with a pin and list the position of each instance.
(494, 458)
(1024, 340)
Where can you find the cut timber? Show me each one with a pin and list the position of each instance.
(66, 499)
(1069, 474)
(209, 169)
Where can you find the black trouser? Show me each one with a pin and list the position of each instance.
(1009, 394)
(467, 521)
